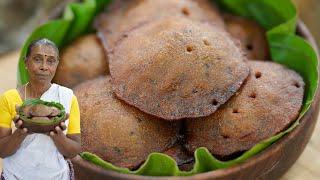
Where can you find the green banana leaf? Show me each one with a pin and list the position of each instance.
(58, 118)
(279, 18)
(75, 21)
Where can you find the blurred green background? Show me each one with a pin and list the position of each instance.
(19, 17)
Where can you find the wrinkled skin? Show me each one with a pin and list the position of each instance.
(175, 68)
(267, 103)
(117, 132)
(251, 35)
(82, 60)
(41, 65)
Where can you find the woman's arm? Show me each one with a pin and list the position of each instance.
(68, 145)
(10, 142)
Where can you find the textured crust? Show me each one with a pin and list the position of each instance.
(108, 23)
(251, 35)
(211, 11)
(82, 60)
(268, 102)
(124, 15)
(40, 110)
(180, 155)
(117, 132)
(175, 68)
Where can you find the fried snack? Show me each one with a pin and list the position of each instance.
(54, 111)
(251, 35)
(175, 68)
(39, 116)
(82, 60)
(40, 110)
(212, 12)
(130, 14)
(109, 22)
(26, 110)
(36, 118)
(266, 104)
(117, 132)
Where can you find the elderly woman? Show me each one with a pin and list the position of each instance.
(32, 155)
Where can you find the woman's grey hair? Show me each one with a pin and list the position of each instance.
(39, 42)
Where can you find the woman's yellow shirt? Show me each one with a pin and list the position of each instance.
(11, 98)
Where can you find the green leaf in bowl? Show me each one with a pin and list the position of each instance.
(279, 18)
(55, 120)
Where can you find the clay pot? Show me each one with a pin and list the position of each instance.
(40, 128)
(42, 124)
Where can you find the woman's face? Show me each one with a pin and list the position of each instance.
(42, 63)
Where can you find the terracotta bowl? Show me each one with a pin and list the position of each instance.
(271, 163)
(40, 128)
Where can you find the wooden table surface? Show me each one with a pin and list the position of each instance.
(307, 166)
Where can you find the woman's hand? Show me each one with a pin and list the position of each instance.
(58, 130)
(10, 142)
(19, 125)
(68, 145)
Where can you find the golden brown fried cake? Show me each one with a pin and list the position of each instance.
(251, 35)
(82, 60)
(147, 10)
(26, 110)
(108, 23)
(211, 10)
(133, 13)
(38, 118)
(265, 105)
(175, 68)
(40, 110)
(54, 111)
(117, 132)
